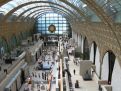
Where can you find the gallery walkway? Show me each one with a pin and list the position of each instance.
(84, 85)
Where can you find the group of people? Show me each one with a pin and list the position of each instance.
(49, 57)
(27, 87)
(40, 75)
(76, 61)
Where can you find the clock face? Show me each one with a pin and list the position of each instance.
(52, 28)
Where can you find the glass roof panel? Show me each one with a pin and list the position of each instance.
(67, 6)
(41, 14)
(111, 7)
(33, 5)
(29, 6)
(14, 3)
(83, 7)
(57, 11)
(37, 13)
(39, 9)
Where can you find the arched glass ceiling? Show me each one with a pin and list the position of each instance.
(32, 15)
(33, 5)
(38, 8)
(111, 7)
(65, 5)
(43, 13)
(14, 3)
(19, 11)
(64, 12)
(56, 11)
(38, 13)
(83, 7)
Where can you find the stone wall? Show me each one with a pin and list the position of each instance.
(9, 29)
(105, 38)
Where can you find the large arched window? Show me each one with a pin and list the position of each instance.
(60, 23)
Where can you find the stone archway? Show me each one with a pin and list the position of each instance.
(3, 46)
(107, 66)
(116, 76)
(86, 49)
(93, 52)
(95, 57)
(97, 61)
(12, 42)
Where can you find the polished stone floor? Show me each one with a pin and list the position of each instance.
(84, 85)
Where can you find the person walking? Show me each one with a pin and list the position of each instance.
(74, 71)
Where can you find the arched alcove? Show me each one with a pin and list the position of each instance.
(107, 66)
(19, 39)
(82, 44)
(93, 52)
(79, 41)
(75, 36)
(86, 49)
(116, 76)
(3, 46)
(24, 35)
(95, 57)
(28, 33)
(97, 61)
(12, 42)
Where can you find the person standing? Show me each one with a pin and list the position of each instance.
(74, 71)
(39, 75)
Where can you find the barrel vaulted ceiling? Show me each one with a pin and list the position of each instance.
(75, 11)
(106, 11)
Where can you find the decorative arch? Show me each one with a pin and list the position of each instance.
(22, 35)
(74, 7)
(12, 42)
(107, 66)
(86, 49)
(93, 51)
(42, 6)
(79, 41)
(38, 15)
(116, 76)
(22, 5)
(47, 9)
(19, 38)
(97, 61)
(82, 43)
(3, 46)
